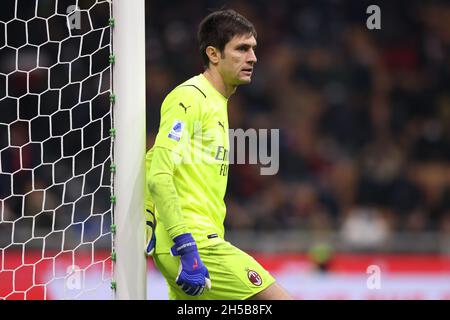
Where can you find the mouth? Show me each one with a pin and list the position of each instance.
(247, 70)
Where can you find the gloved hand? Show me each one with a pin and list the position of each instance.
(150, 232)
(193, 276)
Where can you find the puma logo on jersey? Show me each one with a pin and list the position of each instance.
(185, 108)
(221, 124)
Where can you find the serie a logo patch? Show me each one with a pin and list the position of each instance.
(254, 277)
(177, 130)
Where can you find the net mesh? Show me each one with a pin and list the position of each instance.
(55, 149)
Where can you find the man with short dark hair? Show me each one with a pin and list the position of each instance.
(187, 171)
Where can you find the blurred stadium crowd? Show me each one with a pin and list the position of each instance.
(364, 115)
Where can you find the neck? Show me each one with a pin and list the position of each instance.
(214, 77)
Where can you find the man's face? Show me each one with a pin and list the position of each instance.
(238, 59)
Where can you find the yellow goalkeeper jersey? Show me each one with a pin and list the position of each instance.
(194, 127)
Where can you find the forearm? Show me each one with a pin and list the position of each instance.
(163, 191)
(193, 276)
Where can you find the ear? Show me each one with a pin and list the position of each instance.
(213, 54)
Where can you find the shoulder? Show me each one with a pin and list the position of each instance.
(186, 101)
(192, 88)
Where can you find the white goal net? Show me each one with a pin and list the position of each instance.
(56, 143)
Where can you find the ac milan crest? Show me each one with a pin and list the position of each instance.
(254, 277)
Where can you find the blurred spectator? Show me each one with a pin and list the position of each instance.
(365, 228)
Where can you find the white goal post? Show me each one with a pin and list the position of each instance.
(129, 147)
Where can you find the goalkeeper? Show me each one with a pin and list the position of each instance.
(187, 170)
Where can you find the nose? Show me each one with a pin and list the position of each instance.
(252, 57)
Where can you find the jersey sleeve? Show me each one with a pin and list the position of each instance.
(180, 118)
(162, 189)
